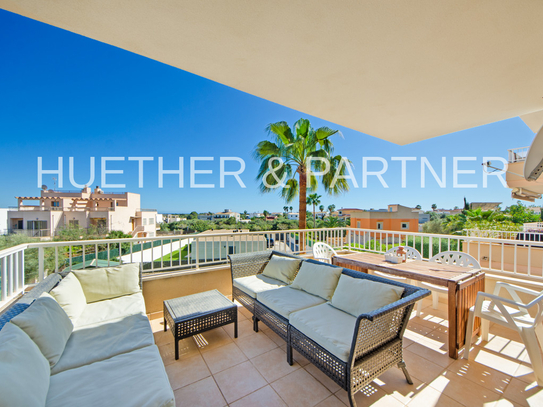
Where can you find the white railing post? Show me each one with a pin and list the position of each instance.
(41, 263)
(22, 268)
(197, 241)
(4, 278)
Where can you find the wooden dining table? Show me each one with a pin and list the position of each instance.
(462, 283)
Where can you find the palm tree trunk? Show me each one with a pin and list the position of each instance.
(303, 198)
(314, 218)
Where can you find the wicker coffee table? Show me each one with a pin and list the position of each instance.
(197, 313)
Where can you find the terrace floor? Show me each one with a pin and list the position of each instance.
(215, 370)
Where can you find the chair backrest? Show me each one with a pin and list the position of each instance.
(323, 252)
(412, 254)
(456, 258)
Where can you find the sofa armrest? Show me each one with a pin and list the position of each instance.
(384, 324)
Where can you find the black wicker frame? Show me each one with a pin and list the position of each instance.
(377, 339)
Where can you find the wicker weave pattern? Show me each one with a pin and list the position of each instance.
(329, 364)
(197, 313)
(274, 321)
(373, 334)
(249, 264)
(244, 299)
(374, 364)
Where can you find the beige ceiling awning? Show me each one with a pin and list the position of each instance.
(399, 70)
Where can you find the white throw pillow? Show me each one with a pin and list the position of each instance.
(24, 372)
(317, 279)
(281, 268)
(358, 296)
(70, 296)
(48, 326)
(109, 282)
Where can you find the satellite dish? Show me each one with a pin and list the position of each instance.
(533, 165)
(44, 187)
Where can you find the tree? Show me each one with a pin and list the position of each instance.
(418, 207)
(331, 208)
(285, 209)
(321, 208)
(434, 207)
(520, 213)
(466, 204)
(266, 213)
(290, 207)
(295, 153)
(192, 215)
(314, 199)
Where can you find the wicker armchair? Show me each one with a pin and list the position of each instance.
(376, 344)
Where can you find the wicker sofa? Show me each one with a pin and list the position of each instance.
(322, 323)
(82, 338)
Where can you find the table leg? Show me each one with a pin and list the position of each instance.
(176, 349)
(453, 323)
(236, 328)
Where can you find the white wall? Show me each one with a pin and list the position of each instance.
(3, 220)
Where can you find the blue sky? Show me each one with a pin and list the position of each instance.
(64, 95)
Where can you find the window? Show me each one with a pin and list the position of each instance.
(36, 224)
(358, 224)
(151, 221)
(405, 225)
(144, 221)
(379, 225)
(55, 204)
(73, 223)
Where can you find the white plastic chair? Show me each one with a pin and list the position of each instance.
(323, 252)
(412, 254)
(491, 307)
(452, 258)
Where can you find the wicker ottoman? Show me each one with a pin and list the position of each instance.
(197, 313)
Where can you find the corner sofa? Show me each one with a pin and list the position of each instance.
(347, 323)
(82, 338)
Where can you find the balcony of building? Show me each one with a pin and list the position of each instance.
(216, 369)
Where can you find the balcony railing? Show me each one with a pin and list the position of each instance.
(518, 154)
(30, 263)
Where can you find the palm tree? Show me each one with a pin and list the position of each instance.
(285, 209)
(290, 207)
(314, 199)
(321, 208)
(331, 208)
(266, 213)
(290, 154)
(418, 207)
(434, 207)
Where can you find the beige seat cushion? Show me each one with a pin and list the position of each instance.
(282, 268)
(24, 371)
(330, 327)
(48, 326)
(358, 296)
(317, 279)
(108, 310)
(70, 296)
(99, 342)
(287, 300)
(253, 285)
(134, 379)
(109, 282)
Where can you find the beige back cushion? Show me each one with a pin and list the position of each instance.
(24, 372)
(109, 282)
(48, 326)
(358, 296)
(317, 279)
(282, 268)
(70, 296)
